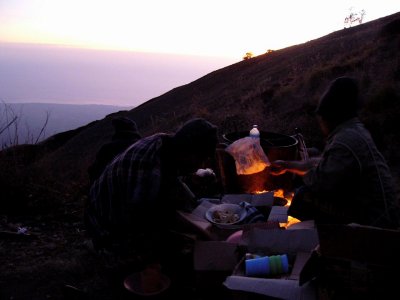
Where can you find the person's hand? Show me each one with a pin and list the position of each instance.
(278, 167)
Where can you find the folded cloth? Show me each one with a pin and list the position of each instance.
(253, 214)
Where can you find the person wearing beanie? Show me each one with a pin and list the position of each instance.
(124, 126)
(351, 181)
(132, 205)
(125, 134)
(340, 102)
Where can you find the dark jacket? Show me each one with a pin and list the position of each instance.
(352, 183)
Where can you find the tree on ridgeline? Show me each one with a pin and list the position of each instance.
(248, 55)
(354, 18)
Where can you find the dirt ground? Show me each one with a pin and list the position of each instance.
(54, 259)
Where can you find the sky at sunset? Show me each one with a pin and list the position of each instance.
(125, 52)
(207, 27)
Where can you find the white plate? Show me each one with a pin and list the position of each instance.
(229, 209)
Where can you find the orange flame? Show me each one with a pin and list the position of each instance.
(287, 196)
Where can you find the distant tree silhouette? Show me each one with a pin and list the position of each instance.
(353, 18)
(248, 55)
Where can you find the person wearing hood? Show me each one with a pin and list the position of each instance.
(125, 134)
(350, 182)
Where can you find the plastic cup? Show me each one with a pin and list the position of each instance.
(267, 265)
(257, 267)
(285, 263)
(274, 261)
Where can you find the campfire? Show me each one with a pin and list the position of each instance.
(288, 196)
(275, 146)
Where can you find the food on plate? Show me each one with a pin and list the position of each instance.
(225, 216)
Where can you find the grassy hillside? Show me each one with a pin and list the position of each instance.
(278, 91)
(44, 186)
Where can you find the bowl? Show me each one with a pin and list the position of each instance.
(226, 214)
(134, 284)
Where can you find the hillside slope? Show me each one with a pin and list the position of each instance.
(278, 91)
(44, 186)
(61, 118)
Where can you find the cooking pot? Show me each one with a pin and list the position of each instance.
(276, 146)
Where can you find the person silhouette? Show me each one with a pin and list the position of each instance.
(350, 182)
(125, 134)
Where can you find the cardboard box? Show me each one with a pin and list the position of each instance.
(367, 244)
(285, 286)
(359, 261)
(197, 222)
(213, 262)
(216, 261)
(278, 214)
(298, 244)
(262, 199)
